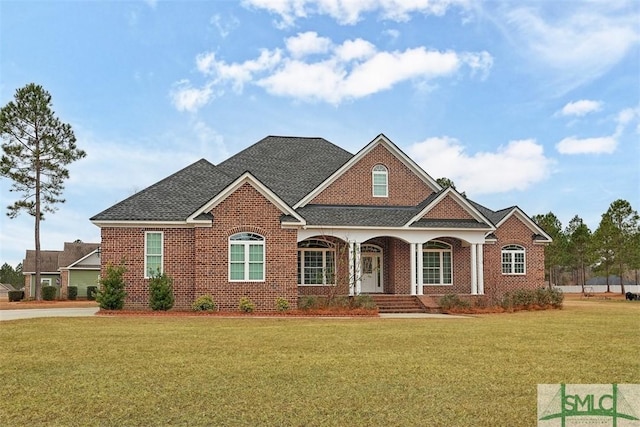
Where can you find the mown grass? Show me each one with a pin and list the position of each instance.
(482, 371)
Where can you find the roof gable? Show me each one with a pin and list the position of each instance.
(246, 178)
(449, 205)
(379, 141)
(540, 236)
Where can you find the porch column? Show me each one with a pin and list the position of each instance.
(474, 269)
(480, 269)
(420, 268)
(355, 269)
(352, 269)
(412, 254)
(358, 268)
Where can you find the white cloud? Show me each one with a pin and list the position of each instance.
(307, 44)
(187, 98)
(351, 70)
(576, 42)
(224, 25)
(574, 145)
(580, 108)
(603, 144)
(349, 12)
(516, 166)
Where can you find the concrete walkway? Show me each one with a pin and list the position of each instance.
(46, 312)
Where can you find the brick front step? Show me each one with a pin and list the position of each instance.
(405, 304)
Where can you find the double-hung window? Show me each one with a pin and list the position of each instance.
(153, 253)
(380, 179)
(513, 259)
(246, 258)
(436, 263)
(316, 263)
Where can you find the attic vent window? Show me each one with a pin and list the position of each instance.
(380, 180)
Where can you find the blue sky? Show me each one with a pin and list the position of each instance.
(528, 103)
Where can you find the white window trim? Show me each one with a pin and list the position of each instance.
(384, 172)
(301, 253)
(146, 254)
(441, 252)
(324, 251)
(45, 281)
(246, 244)
(512, 252)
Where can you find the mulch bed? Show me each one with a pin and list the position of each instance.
(238, 314)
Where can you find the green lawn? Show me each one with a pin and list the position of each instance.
(482, 371)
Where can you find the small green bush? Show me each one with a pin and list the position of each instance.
(161, 292)
(452, 301)
(16, 296)
(308, 302)
(282, 304)
(49, 293)
(246, 305)
(363, 301)
(92, 292)
(204, 303)
(112, 294)
(72, 293)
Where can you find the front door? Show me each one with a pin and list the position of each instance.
(371, 272)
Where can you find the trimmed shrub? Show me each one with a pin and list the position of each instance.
(282, 304)
(72, 293)
(91, 292)
(363, 301)
(308, 302)
(16, 296)
(204, 303)
(112, 294)
(246, 305)
(453, 301)
(49, 293)
(161, 292)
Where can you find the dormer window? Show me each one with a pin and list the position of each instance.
(380, 180)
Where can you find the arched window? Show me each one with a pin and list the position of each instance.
(436, 263)
(380, 179)
(246, 257)
(316, 263)
(513, 260)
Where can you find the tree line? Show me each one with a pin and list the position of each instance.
(576, 252)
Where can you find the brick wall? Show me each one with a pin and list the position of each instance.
(513, 231)
(354, 187)
(246, 210)
(127, 245)
(448, 208)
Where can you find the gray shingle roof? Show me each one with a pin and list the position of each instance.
(449, 223)
(290, 166)
(172, 199)
(365, 216)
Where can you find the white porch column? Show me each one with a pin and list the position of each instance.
(412, 254)
(358, 268)
(474, 269)
(420, 268)
(352, 268)
(480, 269)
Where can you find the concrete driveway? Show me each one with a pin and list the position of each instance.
(46, 312)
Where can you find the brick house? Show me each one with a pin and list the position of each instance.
(294, 216)
(78, 264)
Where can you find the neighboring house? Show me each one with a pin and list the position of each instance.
(78, 264)
(293, 216)
(5, 288)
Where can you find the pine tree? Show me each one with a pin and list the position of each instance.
(37, 147)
